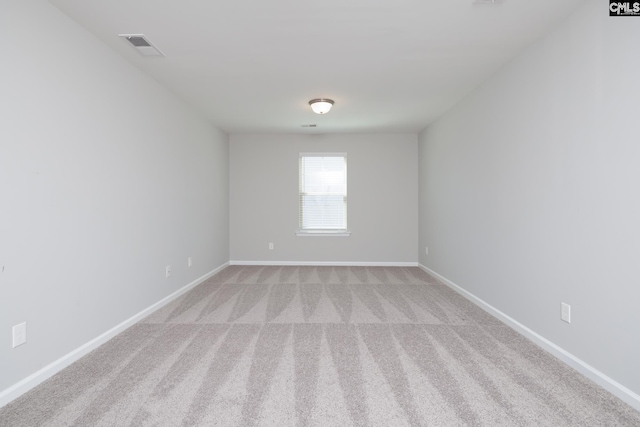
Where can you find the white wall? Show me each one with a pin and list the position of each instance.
(382, 180)
(529, 191)
(105, 178)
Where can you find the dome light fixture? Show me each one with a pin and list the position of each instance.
(321, 105)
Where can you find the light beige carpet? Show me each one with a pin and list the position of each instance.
(319, 346)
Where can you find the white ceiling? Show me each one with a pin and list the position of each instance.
(253, 65)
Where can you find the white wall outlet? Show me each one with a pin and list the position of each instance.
(189, 262)
(19, 334)
(426, 250)
(168, 271)
(270, 246)
(565, 312)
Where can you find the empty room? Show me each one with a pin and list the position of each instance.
(282, 213)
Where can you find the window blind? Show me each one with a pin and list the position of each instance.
(323, 191)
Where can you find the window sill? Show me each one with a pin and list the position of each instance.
(323, 233)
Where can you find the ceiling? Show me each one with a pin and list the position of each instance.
(252, 65)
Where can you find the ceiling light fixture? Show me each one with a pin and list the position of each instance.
(321, 105)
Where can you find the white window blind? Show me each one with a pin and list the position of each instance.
(323, 192)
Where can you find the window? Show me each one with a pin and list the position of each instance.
(323, 194)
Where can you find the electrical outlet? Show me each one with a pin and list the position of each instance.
(565, 312)
(189, 262)
(168, 271)
(19, 334)
(270, 246)
(426, 250)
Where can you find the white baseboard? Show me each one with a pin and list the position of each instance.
(609, 384)
(327, 263)
(53, 368)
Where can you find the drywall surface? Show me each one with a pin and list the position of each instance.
(382, 194)
(529, 191)
(105, 178)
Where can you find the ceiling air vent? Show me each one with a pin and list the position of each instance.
(143, 45)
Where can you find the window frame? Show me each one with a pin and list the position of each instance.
(305, 232)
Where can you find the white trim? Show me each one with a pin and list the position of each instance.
(321, 154)
(327, 263)
(579, 365)
(53, 368)
(326, 233)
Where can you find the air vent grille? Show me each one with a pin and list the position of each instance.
(144, 46)
(138, 41)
